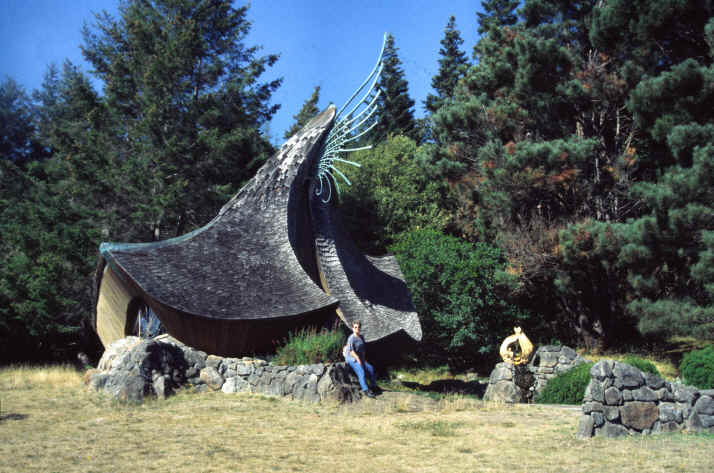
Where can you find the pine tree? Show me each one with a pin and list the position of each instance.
(396, 115)
(452, 66)
(17, 130)
(497, 14)
(306, 113)
(184, 89)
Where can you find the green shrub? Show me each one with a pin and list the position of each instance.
(641, 364)
(308, 346)
(568, 387)
(459, 290)
(697, 368)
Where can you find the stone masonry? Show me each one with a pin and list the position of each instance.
(132, 369)
(622, 400)
(521, 384)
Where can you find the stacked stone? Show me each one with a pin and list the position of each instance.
(521, 384)
(622, 400)
(551, 360)
(132, 369)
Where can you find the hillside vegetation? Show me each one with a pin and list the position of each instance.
(562, 176)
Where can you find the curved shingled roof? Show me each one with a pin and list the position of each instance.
(274, 258)
(241, 265)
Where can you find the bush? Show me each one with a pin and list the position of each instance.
(390, 194)
(568, 387)
(459, 290)
(641, 364)
(697, 368)
(308, 346)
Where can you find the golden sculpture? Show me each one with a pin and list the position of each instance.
(522, 354)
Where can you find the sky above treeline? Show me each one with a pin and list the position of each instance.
(331, 43)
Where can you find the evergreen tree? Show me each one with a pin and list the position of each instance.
(184, 89)
(17, 130)
(173, 136)
(308, 111)
(497, 14)
(396, 115)
(452, 66)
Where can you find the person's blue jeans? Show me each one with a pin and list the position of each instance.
(359, 371)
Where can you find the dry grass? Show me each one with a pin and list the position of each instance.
(51, 423)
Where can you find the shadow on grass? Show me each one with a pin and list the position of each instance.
(5, 417)
(450, 386)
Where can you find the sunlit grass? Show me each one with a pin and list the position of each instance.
(50, 422)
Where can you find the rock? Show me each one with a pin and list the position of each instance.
(598, 418)
(244, 369)
(702, 417)
(98, 380)
(611, 430)
(589, 407)
(133, 373)
(613, 397)
(568, 353)
(116, 351)
(339, 384)
(594, 392)
(612, 413)
(627, 395)
(235, 385)
(653, 381)
(644, 394)
(161, 386)
(627, 376)
(683, 393)
(669, 412)
(503, 391)
(306, 389)
(704, 405)
(639, 415)
(602, 369)
(213, 361)
(585, 427)
(211, 377)
(666, 427)
(502, 372)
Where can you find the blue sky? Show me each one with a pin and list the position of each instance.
(333, 44)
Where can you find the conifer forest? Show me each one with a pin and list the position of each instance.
(561, 179)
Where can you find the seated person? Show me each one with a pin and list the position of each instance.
(356, 356)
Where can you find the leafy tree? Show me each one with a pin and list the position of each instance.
(390, 195)
(396, 115)
(308, 111)
(452, 66)
(459, 291)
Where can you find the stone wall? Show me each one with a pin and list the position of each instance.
(515, 384)
(132, 369)
(622, 400)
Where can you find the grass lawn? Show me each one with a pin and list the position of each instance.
(49, 422)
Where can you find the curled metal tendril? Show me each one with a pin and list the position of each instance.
(349, 126)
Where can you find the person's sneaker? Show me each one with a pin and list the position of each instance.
(370, 393)
(377, 390)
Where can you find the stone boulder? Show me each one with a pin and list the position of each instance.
(148, 367)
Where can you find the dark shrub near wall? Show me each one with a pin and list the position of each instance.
(697, 368)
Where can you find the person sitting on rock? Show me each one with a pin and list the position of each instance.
(356, 356)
